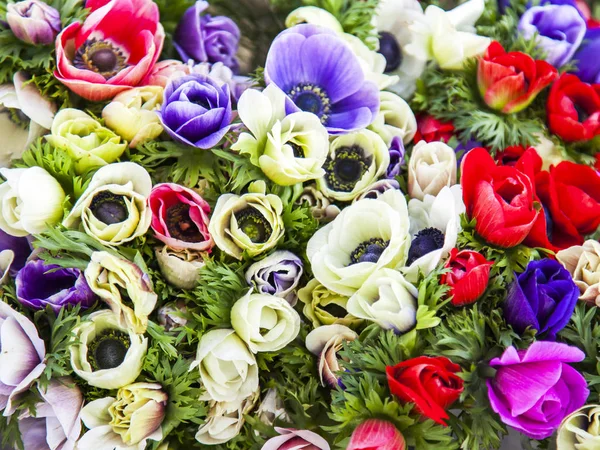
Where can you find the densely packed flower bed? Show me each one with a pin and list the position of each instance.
(299, 224)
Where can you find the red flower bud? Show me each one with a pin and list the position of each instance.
(429, 129)
(468, 277)
(509, 82)
(375, 434)
(430, 383)
(574, 109)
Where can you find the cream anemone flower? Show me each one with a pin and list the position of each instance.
(434, 227)
(24, 116)
(367, 236)
(106, 354)
(113, 209)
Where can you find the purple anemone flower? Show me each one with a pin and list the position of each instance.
(204, 38)
(586, 58)
(40, 284)
(397, 153)
(278, 274)
(20, 248)
(320, 74)
(560, 30)
(196, 110)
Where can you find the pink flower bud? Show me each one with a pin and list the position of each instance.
(33, 21)
(375, 434)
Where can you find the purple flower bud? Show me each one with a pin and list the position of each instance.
(20, 248)
(33, 21)
(196, 110)
(39, 284)
(278, 274)
(204, 38)
(397, 153)
(560, 30)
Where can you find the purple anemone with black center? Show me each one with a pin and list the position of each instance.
(320, 74)
(39, 284)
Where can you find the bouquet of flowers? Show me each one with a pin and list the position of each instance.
(299, 224)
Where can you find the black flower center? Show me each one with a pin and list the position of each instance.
(368, 251)
(391, 50)
(180, 224)
(108, 349)
(335, 310)
(347, 168)
(109, 208)
(253, 224)
(582, 114)
(101, 57)
(298, 150)
(425, 241)
(313, 99)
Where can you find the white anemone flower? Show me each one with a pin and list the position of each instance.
(406, 59)
(24, 116)
(435, 219)
(367, 236)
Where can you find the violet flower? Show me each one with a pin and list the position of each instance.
(535, 389)
(14, 252)
(560, 30)
(39, 284)
(543, 298)
(204, 38)
(56, 423)
(22, 360)
(278, 274)
(397, 154)
(320, 74)
(33, 21)
(196, 110)
(586, 58)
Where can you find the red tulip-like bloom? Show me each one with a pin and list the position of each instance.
(574, 109)
(509, 82)
(375, 434)
(113, 50)
(430, 383)
(468, 277)
(429, 129)
(500, 198)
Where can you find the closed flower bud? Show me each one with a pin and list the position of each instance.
(249, 223)
(87, 142)
(172, 315)
(375, 434)
(106, 354)
(325, 342)
(315, 16)
(227, 368)
(387, 299)
(33, 21)
(272, 408)
(395, 118)
(132, 114)
(583, 263)
(126, 421)
(325, 307)
(278, 274)
(468, 276)
(431, 167)
(166, 70)
(180, 268)
(109, 276)
(264, 322)
(225, 420)
(355, 161)
(321, 207)
(290, 438)
(30, 200)
(580, 430)
(113, 208)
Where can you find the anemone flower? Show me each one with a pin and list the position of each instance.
(320, 74)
